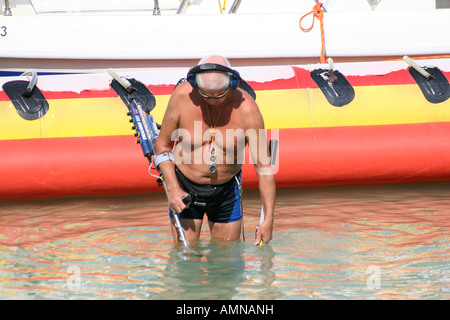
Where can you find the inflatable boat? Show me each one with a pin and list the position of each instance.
(357, 118)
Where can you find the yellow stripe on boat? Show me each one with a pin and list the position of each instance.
(72, 118)
(281, 109)
(374, 105)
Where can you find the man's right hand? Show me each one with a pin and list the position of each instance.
(175, 200)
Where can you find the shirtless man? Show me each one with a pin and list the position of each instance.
(211, 120)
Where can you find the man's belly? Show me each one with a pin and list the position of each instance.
(199, 173)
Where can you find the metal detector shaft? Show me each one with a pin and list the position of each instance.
(148, 133)
(148, 127)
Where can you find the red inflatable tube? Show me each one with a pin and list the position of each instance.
(364, 155)
(58, 167)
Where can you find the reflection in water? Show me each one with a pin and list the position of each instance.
(370, 242)
(223, 272)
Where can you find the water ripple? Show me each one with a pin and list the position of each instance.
(372, 242)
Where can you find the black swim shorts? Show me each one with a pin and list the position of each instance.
(221, 203)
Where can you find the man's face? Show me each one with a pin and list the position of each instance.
(213, 97)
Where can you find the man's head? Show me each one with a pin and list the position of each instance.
(213, 85)
(216, 81)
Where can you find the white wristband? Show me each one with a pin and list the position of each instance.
(160, 158)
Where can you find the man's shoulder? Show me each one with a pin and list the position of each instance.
(180, 95)
(182, 88)
(249, 111)
(247, 103)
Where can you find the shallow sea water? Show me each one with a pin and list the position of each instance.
(356, 242)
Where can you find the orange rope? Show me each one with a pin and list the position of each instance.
(317, 12)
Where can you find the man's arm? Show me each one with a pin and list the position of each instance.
(259, 151)
(164, 143)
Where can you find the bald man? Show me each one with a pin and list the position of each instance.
(211, 120)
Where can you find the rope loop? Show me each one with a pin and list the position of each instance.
(317, 12)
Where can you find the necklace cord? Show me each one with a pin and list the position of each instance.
(213, 128)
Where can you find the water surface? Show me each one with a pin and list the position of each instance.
(358, 242)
